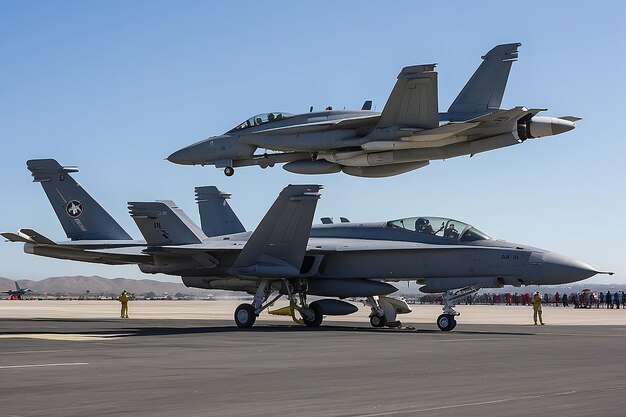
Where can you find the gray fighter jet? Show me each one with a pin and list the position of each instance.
(18, 292)
(406, 135)
(287, 256)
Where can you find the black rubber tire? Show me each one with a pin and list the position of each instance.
(317, 320)
(446, 322)
(229, 171)
(453, 324)
(378, 321)
(245, 316)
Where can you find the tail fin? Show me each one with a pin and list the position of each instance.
(413, 100)
(277, 246)
(80, 215)
(216, 216)
(163, 223)
(17, 286)
(484, 91)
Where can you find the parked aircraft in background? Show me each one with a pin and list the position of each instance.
(405, 136)
(18, 292)
(287, 256)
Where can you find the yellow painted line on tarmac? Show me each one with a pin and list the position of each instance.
(62, 336)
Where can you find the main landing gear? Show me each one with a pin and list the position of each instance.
(447, 322)
(385, 310)
(312, 315)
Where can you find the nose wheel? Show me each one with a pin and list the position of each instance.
(446, 322)
(229, 171)
(245, 316)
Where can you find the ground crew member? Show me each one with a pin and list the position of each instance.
(124, 300)
(537, 308)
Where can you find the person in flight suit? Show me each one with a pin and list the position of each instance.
(537, 308)
(124, 300)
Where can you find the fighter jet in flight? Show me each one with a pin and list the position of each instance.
(285, 256)
(18, 292)
(405, 136)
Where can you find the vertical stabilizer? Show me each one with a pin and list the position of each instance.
(216, 216)
(80, 215)
(277, 246)
(413, 100)
(484, 91)
(163, 223)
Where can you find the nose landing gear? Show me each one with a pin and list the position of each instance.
(447, 322)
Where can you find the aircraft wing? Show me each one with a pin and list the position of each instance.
(440, 132)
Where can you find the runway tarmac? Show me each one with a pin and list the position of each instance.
(51, 366)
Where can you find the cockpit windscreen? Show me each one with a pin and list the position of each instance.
(261, 119)
(441, 227)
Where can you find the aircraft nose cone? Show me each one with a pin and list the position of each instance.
(183, 156)
(561, 126)
(559, 269)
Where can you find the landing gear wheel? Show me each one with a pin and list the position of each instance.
(453, 324)
(229, 171)
(245, 316)
(446, 322)
(317, 320)
(378, 321)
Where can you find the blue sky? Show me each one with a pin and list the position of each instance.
(114, 87)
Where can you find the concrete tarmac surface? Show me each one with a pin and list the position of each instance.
(93, 363)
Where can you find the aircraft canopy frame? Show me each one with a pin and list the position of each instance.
(442, 227)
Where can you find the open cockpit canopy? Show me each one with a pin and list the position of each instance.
(440, 227)
(261, 119)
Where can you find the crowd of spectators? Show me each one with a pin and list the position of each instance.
(584, 299)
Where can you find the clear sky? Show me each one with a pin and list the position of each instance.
(116, 86)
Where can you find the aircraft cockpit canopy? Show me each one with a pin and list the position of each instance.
(440, 227)
(261, 119)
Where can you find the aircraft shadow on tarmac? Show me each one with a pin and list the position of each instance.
(142, 328)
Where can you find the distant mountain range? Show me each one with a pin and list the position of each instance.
(79, 285)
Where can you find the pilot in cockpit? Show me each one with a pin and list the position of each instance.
(270, 117)
(423, 225)
(451, 232)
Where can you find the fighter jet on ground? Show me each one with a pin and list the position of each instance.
(18, 292)
(406, 135)
(287, 256)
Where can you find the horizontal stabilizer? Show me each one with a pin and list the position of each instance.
(216, 216)
(505, 116)
(163, 223)
(36, 237)
(277, 247)
(14, 237)
(572, 119)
